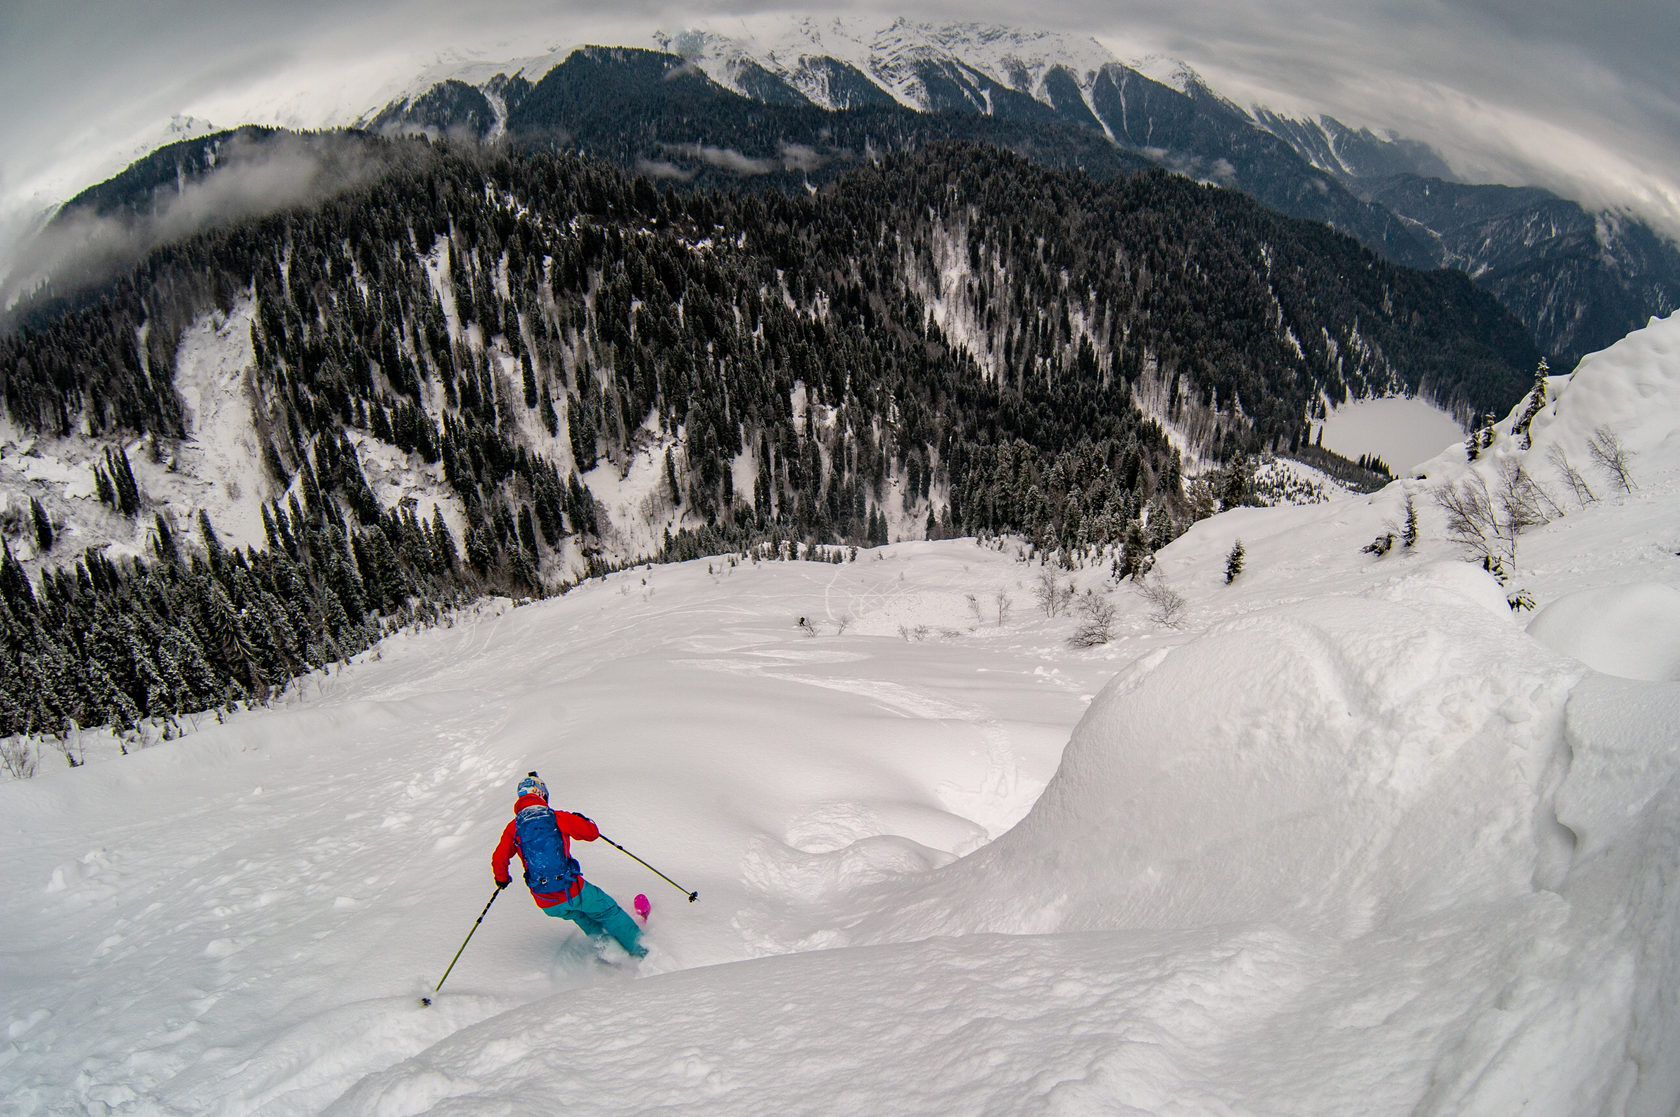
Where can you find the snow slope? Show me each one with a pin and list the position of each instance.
(214, 382)
(1354, 839)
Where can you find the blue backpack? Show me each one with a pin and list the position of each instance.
(543, 850)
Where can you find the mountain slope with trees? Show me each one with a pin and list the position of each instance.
(956, 339)
(1579, 280)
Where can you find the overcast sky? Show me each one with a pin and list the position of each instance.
(1581, 97)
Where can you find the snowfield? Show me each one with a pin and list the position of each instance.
(1353, 838)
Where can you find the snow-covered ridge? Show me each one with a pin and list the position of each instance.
(889, 52)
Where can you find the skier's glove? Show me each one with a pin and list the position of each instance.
(501, 884)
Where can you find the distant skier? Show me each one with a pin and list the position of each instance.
(541, 836)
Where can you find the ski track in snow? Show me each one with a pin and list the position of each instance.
(263, 976)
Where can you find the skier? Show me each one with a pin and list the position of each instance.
(541, 836)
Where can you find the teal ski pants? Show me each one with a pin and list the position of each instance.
(599, 916)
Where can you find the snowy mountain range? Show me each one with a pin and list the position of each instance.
(1578, 279)
(1348, 835)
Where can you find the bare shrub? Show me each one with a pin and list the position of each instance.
(1470, 516)
(1571, 476)
(1096, 626)
(1166, 605)
(1488, 522)
(1611, 456)
(1003, 602)
(17, 756)
(1523, 503)
(1051, 593)
(69, 744)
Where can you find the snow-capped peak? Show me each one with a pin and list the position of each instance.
(888, 53)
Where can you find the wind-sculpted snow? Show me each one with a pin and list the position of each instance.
(1331, 767)
(1629, 630)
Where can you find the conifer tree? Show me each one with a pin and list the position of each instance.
(671, 478)
(443, 544)
(212, 543)
(43, 526)
(1536, 403)
(1234, 562)
(1133, 560)
(545, 410)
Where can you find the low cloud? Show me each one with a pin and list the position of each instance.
(662, 168)
(790, 157)
(798, 157)
(251, 178)
(728, 158)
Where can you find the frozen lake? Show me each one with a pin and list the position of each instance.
(1402, 432)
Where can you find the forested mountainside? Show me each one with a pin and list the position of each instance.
(1580, 280)
(1575, 280)
(957, 336)
(659, 114)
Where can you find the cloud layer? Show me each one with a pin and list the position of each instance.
(1580, 98)
(250, 178)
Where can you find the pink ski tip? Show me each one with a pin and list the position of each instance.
(642, 906)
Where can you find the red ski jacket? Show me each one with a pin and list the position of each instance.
(571, 826)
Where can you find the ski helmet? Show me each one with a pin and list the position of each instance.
(531, 785)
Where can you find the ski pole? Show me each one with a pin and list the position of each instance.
(692, 896)
(427, 1000)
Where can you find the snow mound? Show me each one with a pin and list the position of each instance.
(984, 1025)
(1630, 387)
(1622, 801)
(1345, 762)
(1620, 734)
(1631, 631)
